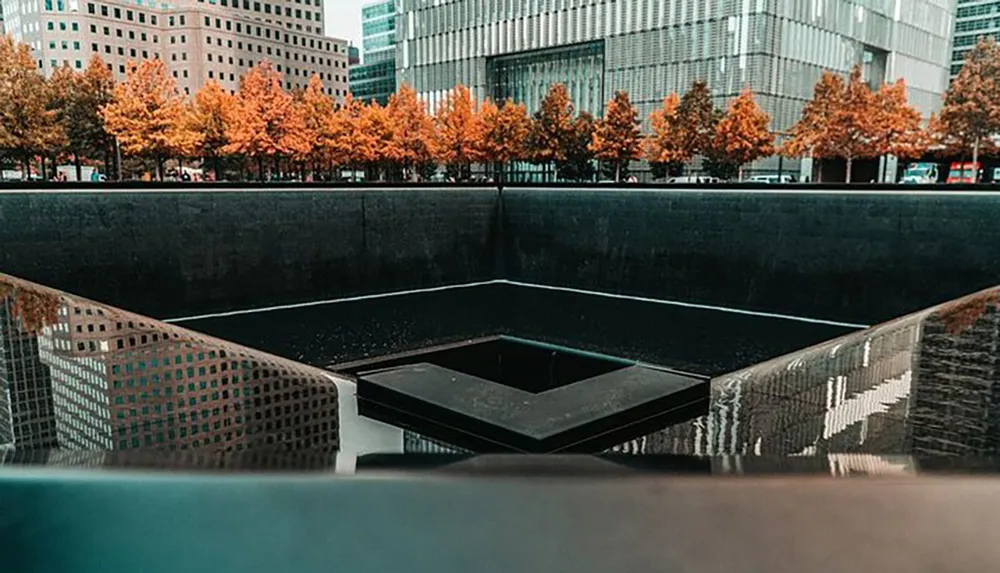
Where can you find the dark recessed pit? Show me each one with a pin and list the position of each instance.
(527, 365)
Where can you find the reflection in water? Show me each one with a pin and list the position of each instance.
(80, 375)
(922, 384)
(81, 382)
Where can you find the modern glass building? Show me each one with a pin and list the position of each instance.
(375, 79)
(652, 47)
(975, 19)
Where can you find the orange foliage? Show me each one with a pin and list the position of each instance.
(744, 134)
(899, 128)
(345, 133)
(458, 130)
(616, 136)
(666, 142)
(212, 108)
(35, 310)
(810, 135)
(266, 122)
(971, 113)
(552, 127)
(316, 107)
(376, 134)
(413, 130)
(147, 115)
(27, 123)
(505, 131)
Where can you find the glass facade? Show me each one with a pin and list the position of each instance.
(975, 19)
(652, 47)
(526, 77)
(375, 79)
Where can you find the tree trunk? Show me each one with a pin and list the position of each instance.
(618, 172)
(215, 168)
(79, 168)
(975, 160)
(850, 163)
(41, 164)
(819, 171)
(260, 168)
(739, 174)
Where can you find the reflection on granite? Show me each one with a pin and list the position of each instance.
(923, 384)
(428, 456)
(79, 375)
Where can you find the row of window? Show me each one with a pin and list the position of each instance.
(296, 56)
(267, 9)
(117, 13)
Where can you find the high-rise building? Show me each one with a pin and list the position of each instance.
(779, 48)
(353, 55)
(974, 19)
(122, 382)
(199, 41)
(27, 416)
(375, 79)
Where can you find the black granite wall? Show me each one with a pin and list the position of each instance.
(167, 254)
(854, 257)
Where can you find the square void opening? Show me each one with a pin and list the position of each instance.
(523, 364)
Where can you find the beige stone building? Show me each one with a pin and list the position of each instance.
(199, 40)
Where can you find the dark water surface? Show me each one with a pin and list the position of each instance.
(703, 341)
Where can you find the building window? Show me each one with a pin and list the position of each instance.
(91, 9)
(142, 17)
(93, 47)
(131, 35)
(118, 13)
(129, 15)
(107, 49)
(152, 19)
(118, 32)
(104, 11)
(183, 20)
(107, 31)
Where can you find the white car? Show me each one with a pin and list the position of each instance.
(772, 179)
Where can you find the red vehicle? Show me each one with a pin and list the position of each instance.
(964, 172)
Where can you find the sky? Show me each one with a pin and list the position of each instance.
(343, 19)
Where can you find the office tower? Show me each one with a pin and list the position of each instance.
(375, 79)
(200, 41)
(974, 19)
(649, 48)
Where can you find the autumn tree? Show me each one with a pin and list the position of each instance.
(970, 116)
(266, 122)
(62, 91)
(698, 116)
(27, 125)
(213, 106)
(88, 136)
(577, 158)
(148, 116)
(552, 128)
(458, 132)
(898, 126)
(505, 132)
(852, 130)
(665, 148)
(346, 139)
(413, 131)
(376, 135)
(810, 136)
(316, 107)
(744, 135)
(616, 135)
